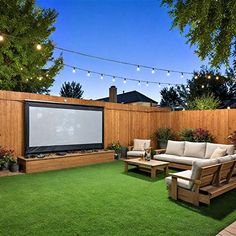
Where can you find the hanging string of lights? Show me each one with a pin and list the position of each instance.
(114, 77)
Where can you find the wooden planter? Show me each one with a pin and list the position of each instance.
(54, 162)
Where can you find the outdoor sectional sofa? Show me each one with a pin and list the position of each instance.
(181, 154)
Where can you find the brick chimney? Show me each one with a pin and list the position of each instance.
(113, 94)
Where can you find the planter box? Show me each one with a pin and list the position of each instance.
(55, 162)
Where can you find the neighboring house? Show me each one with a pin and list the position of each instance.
(132, 97)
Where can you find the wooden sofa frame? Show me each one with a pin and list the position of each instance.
(213, 181)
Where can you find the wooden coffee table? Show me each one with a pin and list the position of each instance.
(148, 166)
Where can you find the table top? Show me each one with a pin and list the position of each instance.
(147, 163)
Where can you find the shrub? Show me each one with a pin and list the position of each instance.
(206, 102)
(232, 137)
(202, 135)
(186, 135)
(162, 135)
(114, 146)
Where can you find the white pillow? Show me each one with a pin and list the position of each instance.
(141, 144)
(194, 149)
(219, 152)
(175, 148)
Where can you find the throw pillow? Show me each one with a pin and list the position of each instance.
(219, 152)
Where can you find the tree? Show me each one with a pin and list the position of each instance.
(208, 81)
(24, 66)
(170, 97)
(71, 90)
(210, 26)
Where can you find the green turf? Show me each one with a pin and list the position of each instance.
(102, 200)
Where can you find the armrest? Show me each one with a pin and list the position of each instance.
(160, 151)
(195, 181)
(130, 148)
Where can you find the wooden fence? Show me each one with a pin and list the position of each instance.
(121, 122)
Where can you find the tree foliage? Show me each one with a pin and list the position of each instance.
(210, 26)
(71, 90)
(170, 98)
(22, 66)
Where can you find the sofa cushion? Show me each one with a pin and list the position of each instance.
(201, 163)
(195, 149)
(136, 153)
(175, 159)
(175, 148)
(211, 147)
(233, 157)
(219, 152)
(141, 144)
(181, 182)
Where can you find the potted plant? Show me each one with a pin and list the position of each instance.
(162, 135)
(117, 148)
(13, 165)
(186, 135)
(202, 135)
(232, 138)
(5, 156)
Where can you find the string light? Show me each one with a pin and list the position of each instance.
(102, 76)
(125, 81)
(228, 107)
(113, 79)
(147, 84)
(153, 71)
(138, 68)
(203, 86)
(159, 85)
(168, 73)
(195, 76)
(88, 73)
(1, 38)
(21, 68)
(74, 70)
(182, 75)
(39, 47)
(208, 77)
(217, 77)
(139, 83)
(47, 75)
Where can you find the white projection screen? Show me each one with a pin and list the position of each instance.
(53, 127)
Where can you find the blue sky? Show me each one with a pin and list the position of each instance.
(136, 31)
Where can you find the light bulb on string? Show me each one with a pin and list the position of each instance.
(47, 75)
(125, 81)
(74, 70)
(147, 84)
(217, 77)
(88, 73)
(208, 77)
(113, 79)
(21, 68)
(203, 86)
(39, 47)
(102, 76)
(159, 85)
(1, 38)
(182, 75)
(139, 83)
(195, 76)
(168, 73)
(138, 68)
(153, 71)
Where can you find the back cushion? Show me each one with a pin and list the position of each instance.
(211, 147)
(194, 149)
(141, 144)
(175, 148)
(200, 163)
(219, 152)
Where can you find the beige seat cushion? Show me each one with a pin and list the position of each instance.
(201, 163)
(219, 152)
(195, 149)
(175, 159)
(141, 144)
(181, 182)
(211, 147)
(225, 159)
(175, 148)
(136, 153)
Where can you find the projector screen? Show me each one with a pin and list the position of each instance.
(52, 127)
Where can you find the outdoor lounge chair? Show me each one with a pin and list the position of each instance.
(139, 148)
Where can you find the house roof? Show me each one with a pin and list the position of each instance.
(130, 97)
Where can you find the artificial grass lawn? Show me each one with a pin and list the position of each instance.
(102, 200)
